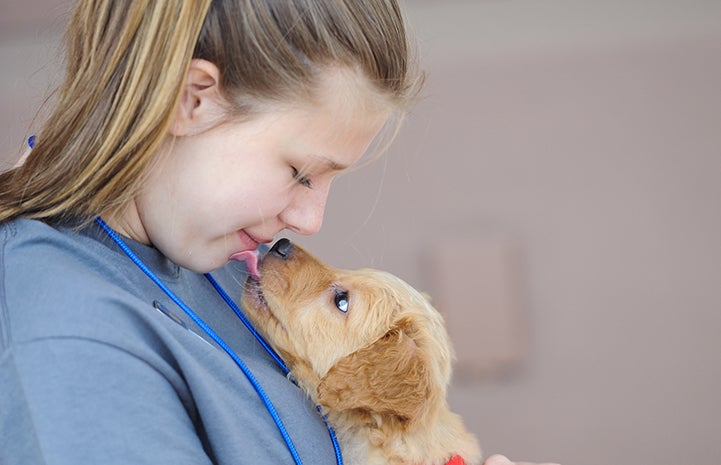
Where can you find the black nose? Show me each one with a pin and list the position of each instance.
(282, 248)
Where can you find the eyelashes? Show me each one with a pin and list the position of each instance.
(301, 179)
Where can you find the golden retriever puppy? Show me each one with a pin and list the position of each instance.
(370, 350)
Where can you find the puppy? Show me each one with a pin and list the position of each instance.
(370, 350)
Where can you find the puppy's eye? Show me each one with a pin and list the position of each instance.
(341, 301)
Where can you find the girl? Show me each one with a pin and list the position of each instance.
(186, 134)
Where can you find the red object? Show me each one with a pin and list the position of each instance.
(456, 460)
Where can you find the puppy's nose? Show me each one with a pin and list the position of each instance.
(282, 248)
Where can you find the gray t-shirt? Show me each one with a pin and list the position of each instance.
(91, 371)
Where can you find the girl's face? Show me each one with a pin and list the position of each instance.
(231, 186)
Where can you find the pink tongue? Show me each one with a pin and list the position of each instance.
(250, 257)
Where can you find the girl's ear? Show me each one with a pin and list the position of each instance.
(201, 103)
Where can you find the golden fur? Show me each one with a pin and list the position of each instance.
(379, 371)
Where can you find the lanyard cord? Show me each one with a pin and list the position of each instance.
(215, 337)
(248, 324)
(276, 357)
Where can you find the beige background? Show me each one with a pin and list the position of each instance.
(567, 152)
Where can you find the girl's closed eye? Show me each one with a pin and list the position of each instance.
(301, 179)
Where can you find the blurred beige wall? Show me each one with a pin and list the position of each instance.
(586, 135)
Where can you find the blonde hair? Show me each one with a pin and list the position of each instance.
(126, 63)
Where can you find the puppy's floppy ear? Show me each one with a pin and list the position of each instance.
(388, 377)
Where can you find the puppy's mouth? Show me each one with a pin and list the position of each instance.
(254, 291)
(264, 276)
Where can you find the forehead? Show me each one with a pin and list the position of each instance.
(348, 99)
(352, 87)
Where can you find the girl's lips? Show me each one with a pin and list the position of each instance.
(248, 242)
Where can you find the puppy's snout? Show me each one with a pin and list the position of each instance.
(281, 248)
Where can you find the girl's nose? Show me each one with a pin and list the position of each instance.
(305, 214)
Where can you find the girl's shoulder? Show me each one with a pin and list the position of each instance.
(35, 255)
(60, 282)
(33, 238)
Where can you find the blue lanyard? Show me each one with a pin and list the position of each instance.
(215, 337)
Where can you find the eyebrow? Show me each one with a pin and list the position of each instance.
(331, 164)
